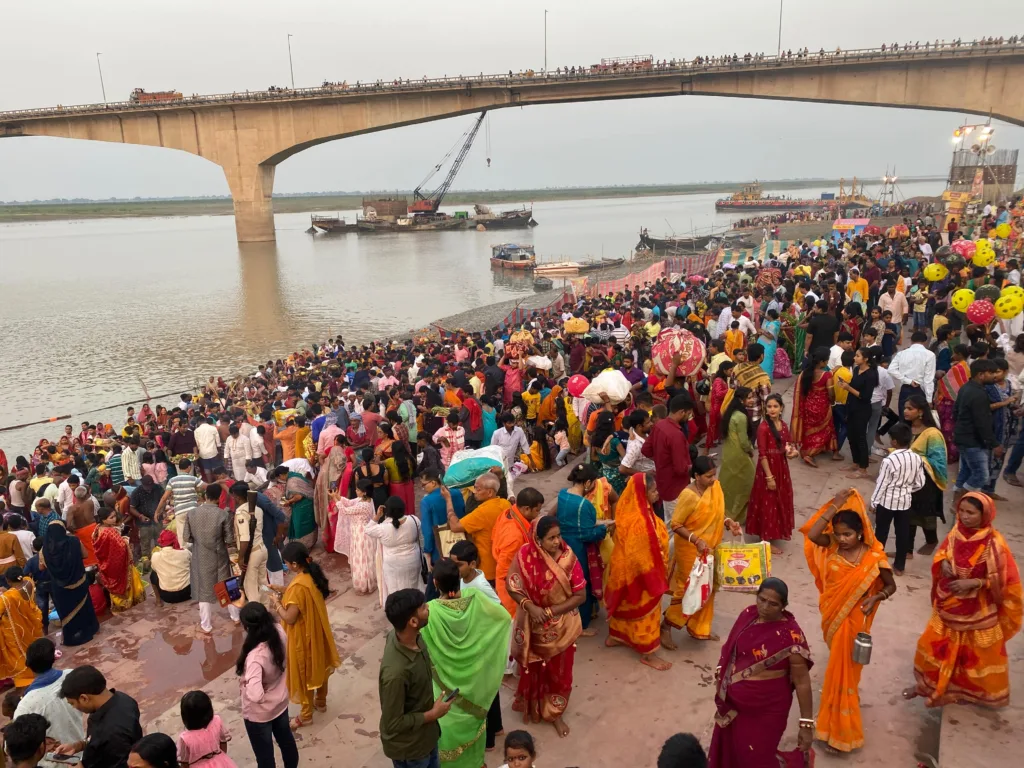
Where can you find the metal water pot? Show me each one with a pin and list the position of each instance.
(862, 648)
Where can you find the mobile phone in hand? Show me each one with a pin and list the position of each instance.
(69, 759)
(451, 696)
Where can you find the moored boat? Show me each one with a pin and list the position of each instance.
(330, 225)
(512, 256)
(543, 284)
(752, 198)
(514, 219)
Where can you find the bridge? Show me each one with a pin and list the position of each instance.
(249, 133)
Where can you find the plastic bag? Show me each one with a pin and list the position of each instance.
(742, 567)
(468, 464)
(699, 585)
(612, 383)
(539, 362)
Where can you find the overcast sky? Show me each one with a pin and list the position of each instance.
(48, 56)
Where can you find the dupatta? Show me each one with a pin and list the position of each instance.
(638, 571)
(948, 386)
(978, 553)
(930, 445)
(546, 581)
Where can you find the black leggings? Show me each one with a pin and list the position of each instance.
(857, 418)
(494, 726)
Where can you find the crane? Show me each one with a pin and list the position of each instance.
(429, 202)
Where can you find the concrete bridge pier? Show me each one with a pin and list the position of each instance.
(252, 187)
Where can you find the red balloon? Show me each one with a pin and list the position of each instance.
(579, 382)
(981, 311)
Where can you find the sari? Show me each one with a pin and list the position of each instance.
(117, 572)
(547, 411)
(783, 367)
(737, 473)
(769, 339)
(751, 376)
(351, 540)
(704, 516)
(752, 715)
(69, 588)
(575, 431)
(926, 505)
(770, 514)
(946, 390)
(601, 498)
(21, 623)
(812, 427)
(610, 464)
(511, 531)
(489, 417)
(468, 643)
(719, 386)
(842, 587)
(312, 654)
(577, 518)
(331, 470)
(545, 652)
(637, 571)
(302, 524)
(961, 655)
(851, 326)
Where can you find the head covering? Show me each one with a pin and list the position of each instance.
(988, 512)
(168, 538)
(62, 554)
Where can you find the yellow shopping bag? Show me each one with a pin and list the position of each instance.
(742, 567)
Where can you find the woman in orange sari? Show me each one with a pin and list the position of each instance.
(812, 427)
(21, 623)
(946, 390)
(546, 581)
(698, 523)
(853, 576)
(976, 608)
(117, 573)
(548, 412)
(638, 573)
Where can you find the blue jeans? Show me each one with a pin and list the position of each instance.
(262, 737)
(1016, 455)
(974, 466)
(432, 760)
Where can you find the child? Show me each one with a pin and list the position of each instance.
(41, 578)
(718, 356)
(891, 338)
(429, 457)
(900, 475)
(562, 441)
(734, 339)
(843, 373)
(531, 400)
(520, 751)
(537, 459)
(204, 743)
(1004, 422)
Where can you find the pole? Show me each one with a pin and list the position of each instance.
(780, 26)
(290, 67)
(545, 39)
(102, 87)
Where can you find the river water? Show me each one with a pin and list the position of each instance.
(94, 310)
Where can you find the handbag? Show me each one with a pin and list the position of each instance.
(698, 585)
(424, 571)
(742, 567)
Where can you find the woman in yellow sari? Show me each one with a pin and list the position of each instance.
(604, 498)
(976, 608)
(853, 576)
(21, 623)
(312, 654)
(638, 573)
(698, 523)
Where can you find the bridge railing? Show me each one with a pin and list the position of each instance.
(672, 67)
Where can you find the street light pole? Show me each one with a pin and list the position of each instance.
(780, 27)
(545, 39)
(290, 67)
(102, 87)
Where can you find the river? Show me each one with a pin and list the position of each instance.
(95, 309)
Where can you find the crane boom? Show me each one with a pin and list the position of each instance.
(429, 202)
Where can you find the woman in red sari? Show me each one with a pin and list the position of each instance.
(763, 661)
(117, 573)
(770, 514)
(812, 428)
(719, 386)
(546, 581)
(853, 319)
(946, 390)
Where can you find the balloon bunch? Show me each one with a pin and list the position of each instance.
(985, 253)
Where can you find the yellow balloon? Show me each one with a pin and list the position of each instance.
(984, 258)
(982, 243)
(1008, 307)
(992, 234)
(1012, 290)
(962, 299)
(935, 272)
(1003, 230)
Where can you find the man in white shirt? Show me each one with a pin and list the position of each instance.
(895, 302)
(748, 328)
(724, 322)
(258, 442)
(387, 380)
(914, 369)
(1013, 273)
(511, 439)
(208, 445)
(835, 354)
(634, 461)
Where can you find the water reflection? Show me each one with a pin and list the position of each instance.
(264, 312)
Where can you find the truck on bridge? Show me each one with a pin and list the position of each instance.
(140, 96)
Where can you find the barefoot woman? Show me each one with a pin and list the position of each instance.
(546, 581)
(638, 573)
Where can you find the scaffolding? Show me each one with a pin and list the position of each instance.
(989, 175)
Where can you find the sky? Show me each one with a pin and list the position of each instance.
(48, 57)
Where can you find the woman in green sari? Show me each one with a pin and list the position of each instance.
(467, 636)
(298, 497)
(737, 473)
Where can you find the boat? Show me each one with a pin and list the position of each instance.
(591, 266)
(674, 243)
(543, 284)
(430, 223)
(512, 256)
(574, 268)
(752, 198)
(330, 225)
(514, 219)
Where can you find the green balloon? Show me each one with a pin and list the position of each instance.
(954, 262)
(987, 292)
(943, 252)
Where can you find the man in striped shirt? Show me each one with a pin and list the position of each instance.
(900, 476)
(183, 491)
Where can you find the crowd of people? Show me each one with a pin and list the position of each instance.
(218, 497)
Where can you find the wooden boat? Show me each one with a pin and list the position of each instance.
(512, 256)
(543, 284)
(330, 225)
(681, 243)
(590, 266)
(752, 198)
(557, 269)
(515, 219)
